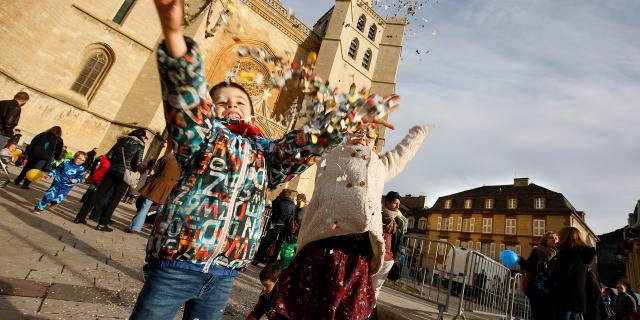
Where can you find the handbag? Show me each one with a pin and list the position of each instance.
(131, 178)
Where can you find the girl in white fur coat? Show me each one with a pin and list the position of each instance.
(340, 242)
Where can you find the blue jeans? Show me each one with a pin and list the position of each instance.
(138, 221)
(569, 315)
(205, 296)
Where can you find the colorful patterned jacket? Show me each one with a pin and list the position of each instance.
(215, 215)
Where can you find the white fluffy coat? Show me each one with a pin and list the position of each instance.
(348, 193)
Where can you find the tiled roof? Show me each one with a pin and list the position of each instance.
(526, 195)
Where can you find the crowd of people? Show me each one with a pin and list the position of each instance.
(561, 282)
(326, 259)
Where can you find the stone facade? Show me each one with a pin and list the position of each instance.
(53, 41)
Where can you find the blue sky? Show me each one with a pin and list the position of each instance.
(548, 90)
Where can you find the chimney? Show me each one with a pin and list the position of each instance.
(521, 182)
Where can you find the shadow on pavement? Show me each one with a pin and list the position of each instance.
(55, 231)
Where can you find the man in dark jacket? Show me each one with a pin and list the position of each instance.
(126, 154)
(283, 209)
(10, 115)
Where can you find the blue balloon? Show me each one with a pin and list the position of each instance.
(509, 258)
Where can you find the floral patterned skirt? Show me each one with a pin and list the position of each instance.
(328, 279)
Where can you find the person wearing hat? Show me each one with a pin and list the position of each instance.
(125, 155)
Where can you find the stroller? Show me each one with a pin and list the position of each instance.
(5, 177)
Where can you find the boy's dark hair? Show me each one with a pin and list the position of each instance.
(270, 272)
(392, 195)
(21, 96)
(225, 84)
(80, 153)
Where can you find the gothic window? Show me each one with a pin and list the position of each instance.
(124, 10)
(366, 60)
(361, 22)
(372, 31)
(353, 48)
(96, 64)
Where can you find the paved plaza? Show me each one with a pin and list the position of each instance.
(55, 269)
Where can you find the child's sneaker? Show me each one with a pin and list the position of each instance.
(37, 211)
(53, 206)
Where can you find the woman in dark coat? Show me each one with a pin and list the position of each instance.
(569, 275)
(537, 267)
(44, 148)
(125, 154)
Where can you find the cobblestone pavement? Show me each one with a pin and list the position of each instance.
(55, 269)
(52, 268)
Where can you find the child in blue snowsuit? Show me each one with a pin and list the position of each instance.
(67, 174)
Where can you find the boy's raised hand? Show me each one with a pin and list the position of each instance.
(170, 14)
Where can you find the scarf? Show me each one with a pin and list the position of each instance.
(389, 220)
(241, 128)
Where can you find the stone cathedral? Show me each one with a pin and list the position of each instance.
(90, 67)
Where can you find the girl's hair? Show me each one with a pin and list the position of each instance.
(392, 195)
(570, 238)
(56, 131)
(545, 237)
(9, 144)
(225, 84)
(270, 272)
(80, 154)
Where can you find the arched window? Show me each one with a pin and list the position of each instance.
(411, 222)
(366, 60)
(422, 223)
(353, 48)
(98, 60)
(361, 22)
(352, 88)
(372, 31)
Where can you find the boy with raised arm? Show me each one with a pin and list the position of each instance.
(212, 222)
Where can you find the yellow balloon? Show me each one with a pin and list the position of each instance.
(34, 175)
(311, 59)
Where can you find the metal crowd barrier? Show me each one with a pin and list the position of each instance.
(425, 272)
(444, 275)
(485, 287)
(520, 309)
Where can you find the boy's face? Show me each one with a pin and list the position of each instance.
(268, 285)
(232, 104)
(79, 160)
(12, 148)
